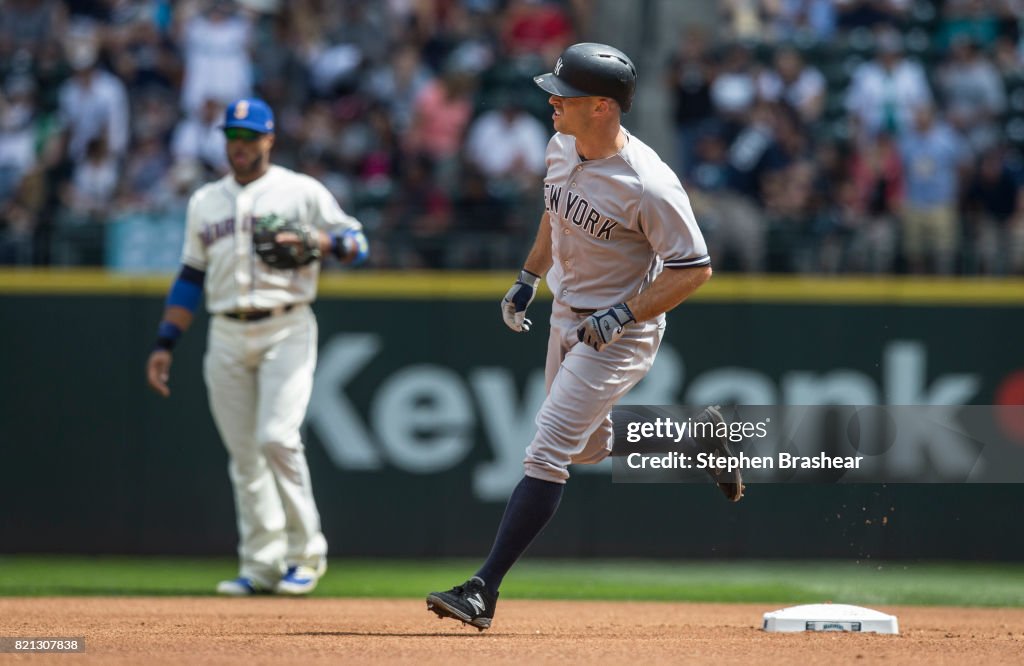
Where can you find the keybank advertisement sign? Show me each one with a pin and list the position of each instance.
(379, 402)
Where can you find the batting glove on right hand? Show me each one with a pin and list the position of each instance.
(518, 298)
(605, 326)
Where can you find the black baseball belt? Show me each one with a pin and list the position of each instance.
(583, 311)
(257, 315)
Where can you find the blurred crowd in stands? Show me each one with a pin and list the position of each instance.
(812, 135)
(856, 136)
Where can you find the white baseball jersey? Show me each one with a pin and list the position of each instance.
(218, 238)
(615, 223)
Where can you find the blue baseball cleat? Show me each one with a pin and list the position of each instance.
(240, 587)
(300, 579)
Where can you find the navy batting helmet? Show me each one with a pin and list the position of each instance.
(592, 70)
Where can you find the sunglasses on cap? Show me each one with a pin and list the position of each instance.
(241, 134)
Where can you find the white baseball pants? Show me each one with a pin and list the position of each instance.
(259, 376)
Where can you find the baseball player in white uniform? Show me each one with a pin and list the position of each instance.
(262, 345)
(616, 218)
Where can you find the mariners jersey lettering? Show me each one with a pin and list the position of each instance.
(615, 223)
(218, 238)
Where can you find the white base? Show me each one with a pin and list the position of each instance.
(830, 617)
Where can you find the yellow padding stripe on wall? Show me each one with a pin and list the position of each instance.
(462, 285)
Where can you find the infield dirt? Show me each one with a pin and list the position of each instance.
(269, 630)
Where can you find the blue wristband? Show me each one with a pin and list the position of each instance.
(353, 255)
(167, 335)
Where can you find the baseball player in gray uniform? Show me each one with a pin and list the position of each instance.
(616, 217)
(262, 343)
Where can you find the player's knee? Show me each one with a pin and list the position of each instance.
(557, 434)
(281, 449)
(598, 447)
(247, 468)
(545, 470)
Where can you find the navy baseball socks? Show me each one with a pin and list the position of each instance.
(531, 506)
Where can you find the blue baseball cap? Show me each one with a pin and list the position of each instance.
(250, 113)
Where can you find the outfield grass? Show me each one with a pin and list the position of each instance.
(863, 583)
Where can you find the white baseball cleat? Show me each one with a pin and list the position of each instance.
(301, 579)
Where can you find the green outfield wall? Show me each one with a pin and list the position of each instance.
(424, 403)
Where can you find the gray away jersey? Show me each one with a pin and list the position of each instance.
(615, 223)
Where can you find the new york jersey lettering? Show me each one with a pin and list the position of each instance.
(551, 196)
(580, 212)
